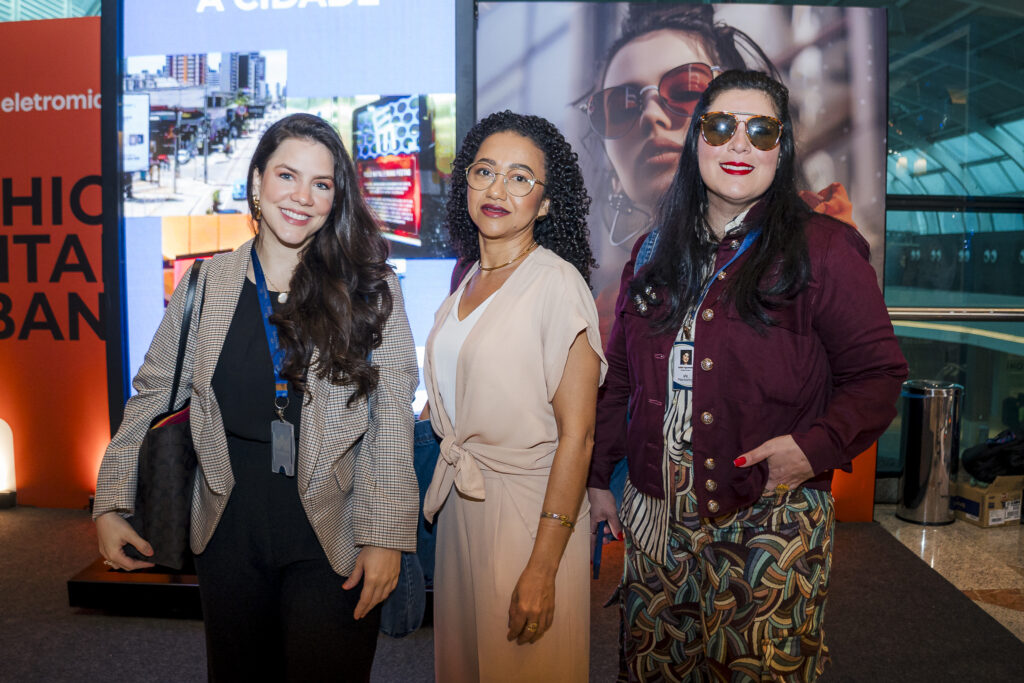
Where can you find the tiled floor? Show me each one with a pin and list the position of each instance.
(986, 564)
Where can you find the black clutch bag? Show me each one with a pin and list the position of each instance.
(166, 469)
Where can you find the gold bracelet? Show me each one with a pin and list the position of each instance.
(562, 519)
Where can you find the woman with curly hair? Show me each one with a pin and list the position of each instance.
(512, 368)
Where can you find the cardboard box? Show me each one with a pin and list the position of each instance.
(997, 504)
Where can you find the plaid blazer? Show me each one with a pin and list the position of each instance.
(355, 475)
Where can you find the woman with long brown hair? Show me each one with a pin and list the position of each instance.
(301, 368)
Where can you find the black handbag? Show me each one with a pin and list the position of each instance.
(1002, 455)
(166, 469)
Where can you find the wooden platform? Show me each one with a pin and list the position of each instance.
(151, 592)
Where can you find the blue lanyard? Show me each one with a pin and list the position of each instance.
(276, 352)
(747, 241)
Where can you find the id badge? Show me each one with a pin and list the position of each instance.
(682, 365)
(282, 448)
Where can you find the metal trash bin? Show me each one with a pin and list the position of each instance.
(929, 449)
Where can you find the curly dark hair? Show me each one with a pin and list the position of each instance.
(779, 266)
(339, 298)
(564, 230)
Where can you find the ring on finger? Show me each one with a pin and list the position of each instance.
(532, 627)
(108, 563)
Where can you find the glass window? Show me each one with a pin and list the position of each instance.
(1015, 172)
(955, 222)
(1014, 129)
(1008, 222)
(24, 10)
(85, 8)
(939, 183)
(954, 258)
(969, 148)
(955, 100)
(992, 177)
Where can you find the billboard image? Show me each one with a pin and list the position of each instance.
(206, 112)
(602, 72)
(202, 82)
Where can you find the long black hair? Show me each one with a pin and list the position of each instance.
(778, 267)
(338, 298)
(564, 230)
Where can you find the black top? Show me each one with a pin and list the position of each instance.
(264, 521)
(243, 381)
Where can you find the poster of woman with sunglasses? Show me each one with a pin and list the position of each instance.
(621, 79)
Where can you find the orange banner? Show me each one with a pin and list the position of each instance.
(53, 384)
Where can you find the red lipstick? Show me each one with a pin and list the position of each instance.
(736, 167)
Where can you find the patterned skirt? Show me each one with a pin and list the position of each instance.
(740, 598)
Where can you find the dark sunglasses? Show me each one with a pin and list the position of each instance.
(718, 127)
(613, 111)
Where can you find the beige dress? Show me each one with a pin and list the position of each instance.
(491, 478)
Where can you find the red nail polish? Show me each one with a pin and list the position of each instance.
(740, 461)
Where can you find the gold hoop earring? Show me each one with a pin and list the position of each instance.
(258, 211)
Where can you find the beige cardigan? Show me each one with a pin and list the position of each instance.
(509, 368)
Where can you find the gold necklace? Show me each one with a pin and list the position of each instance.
(282, 296)
(524, 252)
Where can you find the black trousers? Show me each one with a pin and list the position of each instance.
(273, 608)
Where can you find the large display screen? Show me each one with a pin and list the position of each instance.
(600, 72)
(203, 79)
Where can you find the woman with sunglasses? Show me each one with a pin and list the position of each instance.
(512, 368)
(653, 75)
(753, 355)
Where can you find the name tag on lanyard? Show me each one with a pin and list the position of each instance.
(282, 448)
(682, 365)
(682, 351)
(282, 432)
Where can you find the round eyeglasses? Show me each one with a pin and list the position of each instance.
(613, 112)
(518, 181)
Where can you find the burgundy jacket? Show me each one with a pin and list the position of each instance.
(828, 373)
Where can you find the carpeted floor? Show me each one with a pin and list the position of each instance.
(890, 618)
